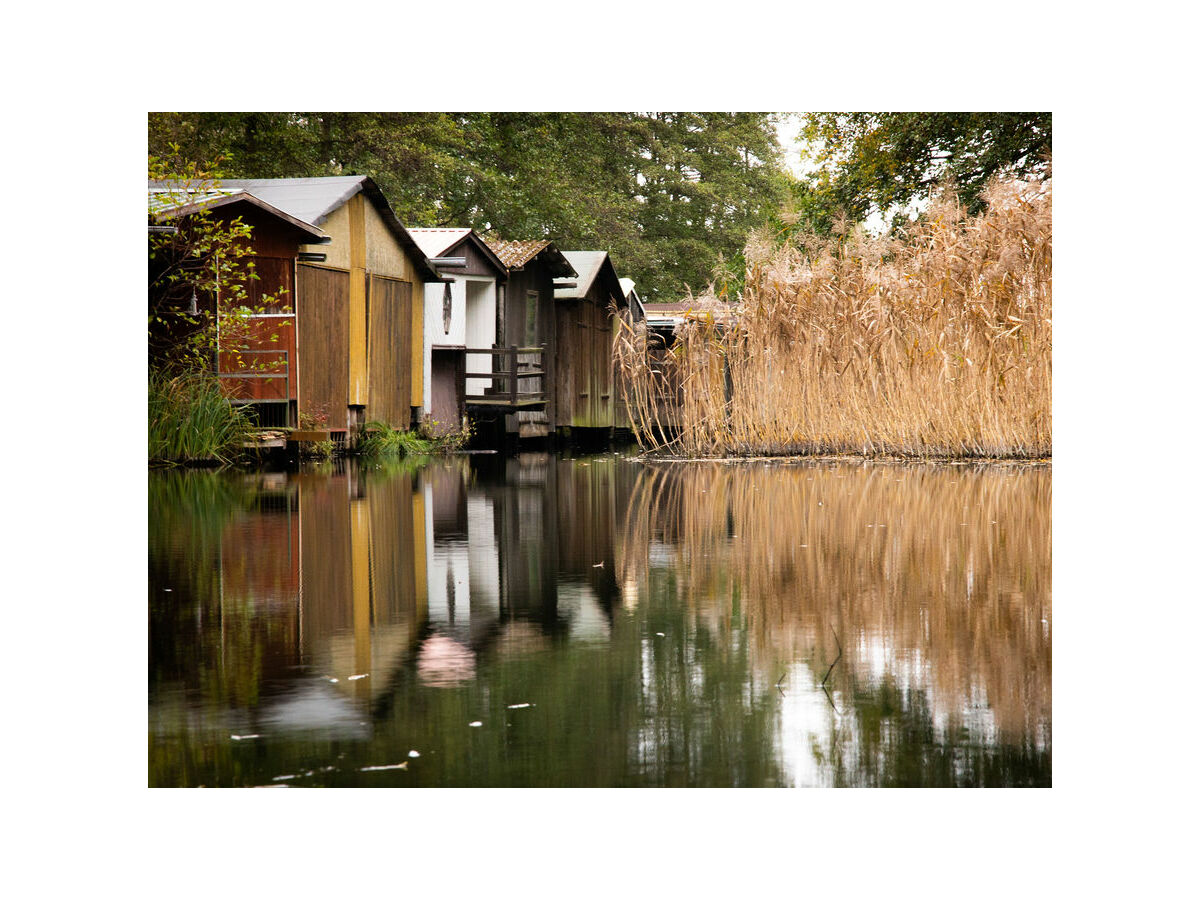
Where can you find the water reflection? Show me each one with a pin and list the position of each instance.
(540, 620)
(932, 583)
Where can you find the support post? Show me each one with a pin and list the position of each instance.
(512, 374)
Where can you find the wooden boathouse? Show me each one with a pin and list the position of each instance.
(257, 368)
(359, 305)
(460, 324)
(528, 321)
(584, 385)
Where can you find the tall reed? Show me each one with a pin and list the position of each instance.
(933, 343)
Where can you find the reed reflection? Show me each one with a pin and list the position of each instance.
(933, 583)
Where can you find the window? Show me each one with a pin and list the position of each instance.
(447, 308)
(531, 308)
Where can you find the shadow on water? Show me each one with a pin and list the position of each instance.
(542, 620)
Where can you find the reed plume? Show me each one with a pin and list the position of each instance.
(935, 342)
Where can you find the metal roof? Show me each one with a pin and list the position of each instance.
(674, 313)
(173, 202)
(309, 199)
(516, 254)
(634, 298)
(312, 200)
(587, 264)
(436, 241)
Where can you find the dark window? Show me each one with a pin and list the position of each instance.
(531, 306)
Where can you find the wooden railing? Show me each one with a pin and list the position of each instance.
(511, 366)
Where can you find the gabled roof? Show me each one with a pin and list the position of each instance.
(517, 254)
(633, 298)
(436, 242)
(172, 203)
(310, 199)
(313, 200)
(591, 265)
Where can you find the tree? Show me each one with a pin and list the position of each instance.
(669, 195)
(200, 269)
(882, 161)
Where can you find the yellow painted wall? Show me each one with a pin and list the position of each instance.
(337, 226)
(384, 256)
(358, 300)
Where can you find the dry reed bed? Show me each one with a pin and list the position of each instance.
(946, 570)
(937, 343)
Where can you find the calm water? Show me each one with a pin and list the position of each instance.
(548, 621)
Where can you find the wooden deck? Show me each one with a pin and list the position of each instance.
(511, 366)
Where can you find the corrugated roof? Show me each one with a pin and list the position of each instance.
(658, 313)
(173, 202)
(309, 199)
(516, 254)
(312, 200)
(680, 307)
(436, 241)
(587, 263)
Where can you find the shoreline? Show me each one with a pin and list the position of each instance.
(883, 458)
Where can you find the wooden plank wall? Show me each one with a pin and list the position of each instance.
(274, 334)
(322, 331)
(584, 366)
(534, 277)
(389, 338)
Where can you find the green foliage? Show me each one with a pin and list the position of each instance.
(669, 195)
(380, 439)
(206, 263)
(322, 450)
(883, 161)
(191, 420)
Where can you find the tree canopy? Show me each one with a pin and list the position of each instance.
(878, 161)
(669, 195)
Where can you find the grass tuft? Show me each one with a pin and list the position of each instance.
(191, 420)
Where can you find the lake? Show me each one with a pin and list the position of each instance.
(558, 621)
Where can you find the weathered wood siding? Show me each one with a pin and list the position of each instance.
(477, 263)
(389, 339)
(323, 334)
(272, 337)
(383, 255)
(447, 395)
(534, 277)
(583, 374)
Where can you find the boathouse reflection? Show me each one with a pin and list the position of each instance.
(370, 576)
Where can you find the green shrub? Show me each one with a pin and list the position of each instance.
(380, 439)
(191, 420)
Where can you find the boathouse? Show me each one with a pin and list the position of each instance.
(583, 384)
(257, 366)
(359, 304)
(529, 322)
(460, 324)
